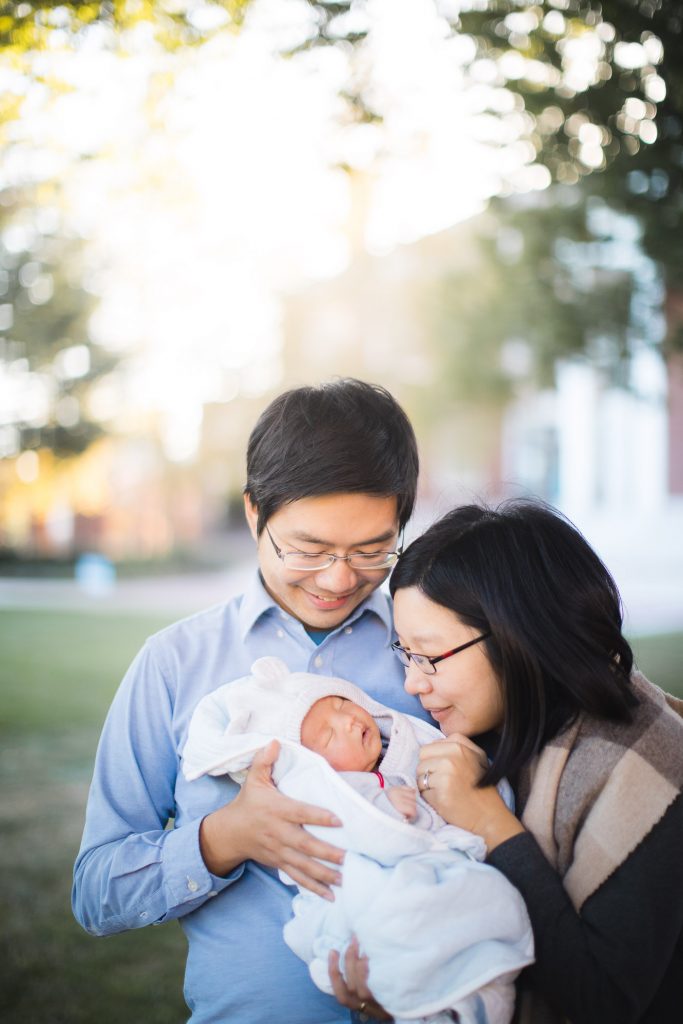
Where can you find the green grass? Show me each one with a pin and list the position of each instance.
(60, 669)
(58, 672)
(661, 659)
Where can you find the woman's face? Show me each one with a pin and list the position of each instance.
(464, 694)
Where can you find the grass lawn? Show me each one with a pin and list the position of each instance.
(58, 672)
(661, 658)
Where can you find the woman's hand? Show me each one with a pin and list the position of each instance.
(263, 825)
(354, 992)
(447, 775)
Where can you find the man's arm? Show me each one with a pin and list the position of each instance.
(131, 870)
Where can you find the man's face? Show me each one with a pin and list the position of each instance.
(338, 523)
(346, 735)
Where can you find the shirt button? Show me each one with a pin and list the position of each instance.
(192, 885)
(280, 633)
(318, 661)
(144, 915)
(213, 893)
(349, 630)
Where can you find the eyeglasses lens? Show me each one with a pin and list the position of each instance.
(424, 664)
(309, 563)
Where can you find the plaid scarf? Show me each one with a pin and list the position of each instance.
(595, 792)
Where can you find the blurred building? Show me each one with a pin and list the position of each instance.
(610, 457)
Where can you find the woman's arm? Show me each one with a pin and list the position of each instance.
(607, 964)
(619, 960)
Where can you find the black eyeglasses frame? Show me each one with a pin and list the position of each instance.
(405, 657)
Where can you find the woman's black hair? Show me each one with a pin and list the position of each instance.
(525, 573)
(346, 436)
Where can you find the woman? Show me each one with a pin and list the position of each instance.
(509, 627)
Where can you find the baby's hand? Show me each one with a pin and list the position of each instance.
(404, 799)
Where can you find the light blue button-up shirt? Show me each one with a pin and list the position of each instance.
(133, 870)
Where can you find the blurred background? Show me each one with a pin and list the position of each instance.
(476, 203)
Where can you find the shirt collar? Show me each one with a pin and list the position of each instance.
(256, 601)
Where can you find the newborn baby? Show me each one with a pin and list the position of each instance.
(348, 737)
(442, 932)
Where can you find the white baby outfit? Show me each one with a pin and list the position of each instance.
(441, 930)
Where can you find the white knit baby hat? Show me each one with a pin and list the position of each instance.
(271, 702)
(275, 701)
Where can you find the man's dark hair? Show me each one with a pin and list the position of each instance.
(346, 436)
(525, 573)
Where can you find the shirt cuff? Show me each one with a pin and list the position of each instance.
(187, 877)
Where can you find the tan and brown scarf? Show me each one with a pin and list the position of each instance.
(595, 792)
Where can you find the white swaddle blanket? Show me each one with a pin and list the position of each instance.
(440, 929)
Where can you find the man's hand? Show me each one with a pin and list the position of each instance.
(404, 799)
(263, 825)
(354, 992)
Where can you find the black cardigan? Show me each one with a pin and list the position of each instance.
(620, 960)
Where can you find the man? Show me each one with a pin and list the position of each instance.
(331, 478)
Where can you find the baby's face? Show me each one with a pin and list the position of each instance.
(345, 734)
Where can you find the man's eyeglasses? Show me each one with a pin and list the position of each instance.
(304, 561)
(428, 665)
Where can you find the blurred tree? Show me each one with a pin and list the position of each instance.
(598, 90)
(598, 86)
(547, 283)
(602, 84)
(48, 362)
(32, 24)
(30, 27)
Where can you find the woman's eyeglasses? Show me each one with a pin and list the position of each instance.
(428, 665)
